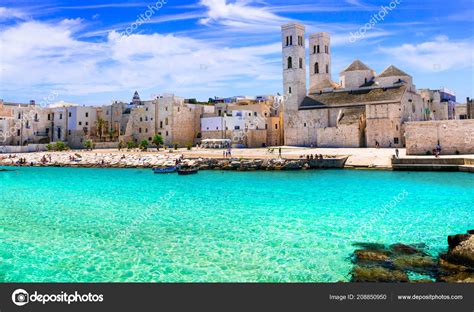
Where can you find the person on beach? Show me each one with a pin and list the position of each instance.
(397, 153)
(279, 152)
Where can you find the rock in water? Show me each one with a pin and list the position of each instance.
(416, 263)
(455, 240)
(403, 249)
(463, 253)
(371, 256)
(377, 275)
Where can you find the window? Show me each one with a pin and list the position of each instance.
(287, 41)
(146, 130)
(327, 69)
(289, 90)
(47, 131)
(276, 126)
(141, 119)
(290, 63)
(291, 40)
(237, 128)
(314, 49)
(304, 125)
(161, 124)
(69, 132)
(19, 115)
(70, 114)
(87, 115)
(301, 63)
(319, 49)
(36, 117)
(87, 123)
(166, 121)
(266, 127)
(300, 41)
(396, 141)
(255, 113)
(139, 130)
(60, 116)
(49, 116)
(80, 123)
(462, 117)
(326, 49)
(316, 68)
(167, 133)
(18, 132)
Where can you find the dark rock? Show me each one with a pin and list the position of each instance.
(446, 266)
(370, 246)
(371, 256)
(377, 274)
(461, 277)
(463, 254)
(402, 249)
(416, 263)
(470, 232)
(455, 240)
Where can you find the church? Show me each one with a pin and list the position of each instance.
(363, 109)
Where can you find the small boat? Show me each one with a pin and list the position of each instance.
(188, 170)
(164, 170)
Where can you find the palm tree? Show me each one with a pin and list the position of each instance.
(101, 125)
(158, 141)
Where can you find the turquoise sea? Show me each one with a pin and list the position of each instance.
(112, 225)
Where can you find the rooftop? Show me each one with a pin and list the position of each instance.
(392, 71)
(356, 65)
(352, 98)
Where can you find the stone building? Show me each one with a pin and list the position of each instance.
(169, 116)
(363, 110)
(250, 123)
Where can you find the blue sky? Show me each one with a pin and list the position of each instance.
(86, 52)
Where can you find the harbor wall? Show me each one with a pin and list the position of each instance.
(454, 137)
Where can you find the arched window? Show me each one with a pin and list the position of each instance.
(289, 90)
(301, 63)
(316, 68)
(327, 69)
(290, 62)
(319, 50)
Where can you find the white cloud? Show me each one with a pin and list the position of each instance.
(8, 13)
(441, 54)
(238, 14)
(44, 56)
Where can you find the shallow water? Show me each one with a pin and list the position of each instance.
(101, 225)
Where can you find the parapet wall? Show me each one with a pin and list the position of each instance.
(454, 137)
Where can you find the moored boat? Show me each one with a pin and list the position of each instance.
(188, 170)
(165, 170)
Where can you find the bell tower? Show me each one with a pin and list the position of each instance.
(294, 65)
(319, 62)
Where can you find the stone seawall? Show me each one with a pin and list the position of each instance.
(152, 161)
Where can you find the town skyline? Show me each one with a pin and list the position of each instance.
(202, 49)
